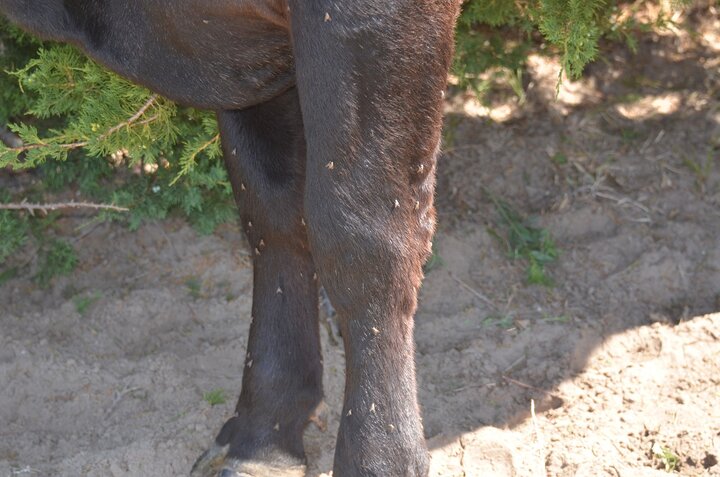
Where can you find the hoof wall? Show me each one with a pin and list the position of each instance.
(210, 462)
(237, 468)
(214, 463)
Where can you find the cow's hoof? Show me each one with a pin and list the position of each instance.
(215, 463)
(236, 468)
(210, 462)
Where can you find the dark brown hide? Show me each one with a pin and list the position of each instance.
(330, 116)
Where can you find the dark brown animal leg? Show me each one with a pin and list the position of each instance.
(282, 383)
(371, 76)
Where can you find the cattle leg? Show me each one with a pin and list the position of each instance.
(371, 76)
(282, 381)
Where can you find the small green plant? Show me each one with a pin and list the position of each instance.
(8, 274)
(215, 397)
(60, 259)
(501, 321)
(630, 135)
(13, 230)
(702, 170)
(667, 457)
(559, 159)
(434, 261)
(83, 302)
(525, 241)
(556, 318)
(194, 286)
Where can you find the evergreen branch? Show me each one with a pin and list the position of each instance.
(40, 145)
(131, 120)
(188, 162)
(206, 145)
(75, 145)
(152, 118)
(44, 208)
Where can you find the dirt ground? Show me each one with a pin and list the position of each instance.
(615, 366)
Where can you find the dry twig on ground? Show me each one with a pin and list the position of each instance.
(45, 208)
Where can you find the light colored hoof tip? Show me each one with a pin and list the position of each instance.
(236, 468)
(209, 462)
(231, 473)
(215, 463)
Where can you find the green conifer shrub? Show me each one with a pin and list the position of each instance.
(88, 130)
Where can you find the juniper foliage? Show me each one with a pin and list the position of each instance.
(498, 35)
(90, 131)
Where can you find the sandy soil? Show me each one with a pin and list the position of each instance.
(585, 378)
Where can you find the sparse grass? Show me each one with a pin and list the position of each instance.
(60, 259)
(556, 318)
(515, 80)
(501, 321)
(7, 275)
(194, 287)
(525, 241)
(179, 416)
(637, 81)
(450, 130)
(629, 98)
(215, 397)
(83, 302)
(13, 230)
(630, 135)
(559, 159)
(702, 170)
(667, 457)
(434, 261)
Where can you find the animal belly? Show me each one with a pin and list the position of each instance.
(219, 54)
(213, 54)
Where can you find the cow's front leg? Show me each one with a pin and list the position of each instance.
(282, 381)
(371, 76)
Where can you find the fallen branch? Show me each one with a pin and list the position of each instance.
(44, 208)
